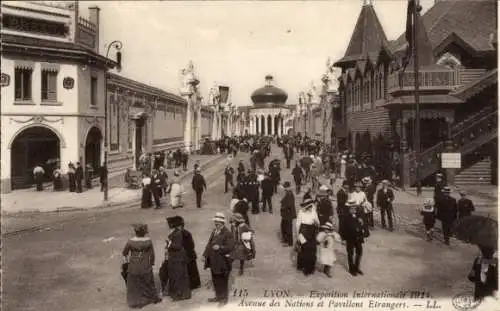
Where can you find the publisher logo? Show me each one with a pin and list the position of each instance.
(464, 301)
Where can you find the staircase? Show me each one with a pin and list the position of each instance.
(477, 174)
(472, 133)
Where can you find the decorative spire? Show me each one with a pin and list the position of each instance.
(269, 80)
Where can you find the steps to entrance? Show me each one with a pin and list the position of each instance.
(477, 174)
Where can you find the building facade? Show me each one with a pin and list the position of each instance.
(458, 93)
(54, 84)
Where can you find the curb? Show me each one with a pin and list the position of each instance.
(106, 208)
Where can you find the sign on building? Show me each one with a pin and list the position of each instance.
(451, 160)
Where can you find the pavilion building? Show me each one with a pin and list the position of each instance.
(458, 94)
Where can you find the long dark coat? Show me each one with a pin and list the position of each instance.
(219, 261)
(325, 210)
(352, 229)
(447, 209)
(192, 267)
(288, 210)
(178, 277)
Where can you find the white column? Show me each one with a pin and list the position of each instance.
(214, 126)
(198, 130)
(188, 125)
(272, 124)
(252, 125)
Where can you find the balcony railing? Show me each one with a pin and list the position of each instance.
(86, 23)
(428, 80)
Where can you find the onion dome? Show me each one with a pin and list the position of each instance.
(269, 94)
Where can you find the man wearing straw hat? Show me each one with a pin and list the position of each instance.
(217, 255)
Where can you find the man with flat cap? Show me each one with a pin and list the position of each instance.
(218, 258)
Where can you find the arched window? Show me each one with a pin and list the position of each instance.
(449, 60)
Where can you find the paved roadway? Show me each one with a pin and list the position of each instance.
(75, 265)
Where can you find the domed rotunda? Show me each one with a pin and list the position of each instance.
(269, 112)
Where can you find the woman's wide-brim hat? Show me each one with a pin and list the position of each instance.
(323, 191)
(219, 217)
(351, 203)
(327, 226)
(237, 217)
(140, 228)
(307, 203)
(446, 190)
(175, 221)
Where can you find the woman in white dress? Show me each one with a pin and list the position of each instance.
(343, 164)
(176, 192)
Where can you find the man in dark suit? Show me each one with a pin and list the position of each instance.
(370, 189)
(342, 197)
(385, 197)
(325, 207)
(447, 213)
(228, 174)
(267, 193)
(198, 183)
(288, 214)
(288, 151)
(298, 175)
(465, 205)
(353, 233)
(252, 191)
(79, 177)
(156, 181)
(218, 258)
(438, 188)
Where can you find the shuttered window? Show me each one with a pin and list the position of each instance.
(49, 85)
(22, 83)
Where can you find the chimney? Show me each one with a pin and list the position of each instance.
(94, 19)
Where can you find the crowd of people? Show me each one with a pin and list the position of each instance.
(322, 220)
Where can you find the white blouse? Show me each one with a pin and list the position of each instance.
(309, 217)
(359, 197)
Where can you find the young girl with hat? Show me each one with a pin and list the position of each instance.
(429, 217)
(326, 239)
(244, 248)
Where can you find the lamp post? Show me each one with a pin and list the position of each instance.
(117, 45)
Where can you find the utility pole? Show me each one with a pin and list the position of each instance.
(416, 17)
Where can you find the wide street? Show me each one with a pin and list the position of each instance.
(76, 265)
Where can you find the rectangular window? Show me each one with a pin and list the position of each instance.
(93, 91)
(49, 85)
(22, 83)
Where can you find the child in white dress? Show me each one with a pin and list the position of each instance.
(327, 238)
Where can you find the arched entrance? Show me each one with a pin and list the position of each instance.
(34, 146)
(93, 148)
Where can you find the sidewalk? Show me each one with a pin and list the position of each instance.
(25, 201)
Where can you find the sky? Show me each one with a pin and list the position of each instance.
(236, 43)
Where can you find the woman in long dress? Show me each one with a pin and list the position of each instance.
(146, 200)
(244, 248)
(307, 226)
(178, 277)
(192, 267)
(140, 255)
(176, 193)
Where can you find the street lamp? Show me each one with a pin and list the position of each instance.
(117, 45)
